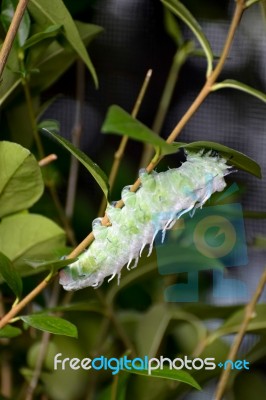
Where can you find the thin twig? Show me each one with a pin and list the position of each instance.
(47, 160)
(76, 136)
(19, 306)
(179, 59)
(248, 315)
(43, 348)
(121, 149)
(10, 36)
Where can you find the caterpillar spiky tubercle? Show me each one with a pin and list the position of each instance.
(161, 199)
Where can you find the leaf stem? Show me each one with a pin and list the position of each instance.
(76, 137)
(121, 149)
(179, 59)
(249, 314)
(34, 127)
(10, 36)
(19, 306)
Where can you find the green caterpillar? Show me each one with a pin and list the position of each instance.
(161, 199)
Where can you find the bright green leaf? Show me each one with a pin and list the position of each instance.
(55, 12)
(47, 323)
(21, 183)
(120, 122)
(9, 331)
(234, 157)
(93, 168)
(182, 12)
(232, 84)
(8, 10)
(26, 236)
(10, 275)
(51, 32)
(166, 373)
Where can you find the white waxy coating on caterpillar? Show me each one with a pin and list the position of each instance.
(161, 199)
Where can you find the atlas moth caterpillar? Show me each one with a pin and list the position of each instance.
(161, 199)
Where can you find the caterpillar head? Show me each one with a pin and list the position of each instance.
(70, 279)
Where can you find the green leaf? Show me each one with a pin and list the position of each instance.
(25, 236)
(232, 325)
(166, 373)
(21, 183)
(232, 84)
(47, 323)
(10, 275)
(155, 321)
(182, 12)
(52, 61)
(51, 265)
(9, 331)
(11, 80)
(120, 122)
(251, 2)
(235, 158)
(93, 168)
(172, 28)
(49, 125)
(117, 389)
(8, 10)
(57, 59)
(51, 32)
(87, 306)
(55, 12)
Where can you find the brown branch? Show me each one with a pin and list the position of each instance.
(10, 36)
(19, 306)
(122, 146)
(47, 160)
(249, 314)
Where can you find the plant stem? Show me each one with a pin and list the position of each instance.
(10, 36)
(34, 127)
(47, 160)
(19, 306)
(76, 136)
(51, 187)
(121, 149)
(179, 59)
(249, 314)
(43, 348)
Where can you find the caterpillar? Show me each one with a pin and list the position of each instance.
(161, 199)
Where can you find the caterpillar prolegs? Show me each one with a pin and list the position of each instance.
(161, 199)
